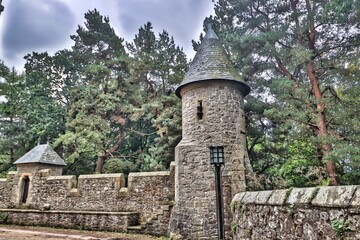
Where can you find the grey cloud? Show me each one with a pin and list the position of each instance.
(36, 24)
(179, 17)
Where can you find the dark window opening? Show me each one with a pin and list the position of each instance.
(199, 108)
(26, 184)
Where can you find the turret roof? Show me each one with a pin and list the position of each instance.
(211, 62)
(42, 153)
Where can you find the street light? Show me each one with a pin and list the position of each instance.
(217, 160)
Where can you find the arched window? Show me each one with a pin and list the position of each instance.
(26, 185)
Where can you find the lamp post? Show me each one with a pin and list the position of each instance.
(217, 160)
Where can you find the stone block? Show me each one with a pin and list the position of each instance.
(165, 207)
(123, 192)
(278, 197)
(102, 176)
(46, 206)
(149, 174)
(336, 196)
(10, 175)
(238, 197)
(263, 197)
(299, 196)
(45, 172)
(66, 178)
(355, 202)
(249, 197)
(74, 192)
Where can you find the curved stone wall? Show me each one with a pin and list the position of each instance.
(223, 115)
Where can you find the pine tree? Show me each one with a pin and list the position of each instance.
(158, 67)
(296, 56)
(95, 123)
(12, 126)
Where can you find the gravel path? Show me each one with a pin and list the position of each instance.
(41, 233)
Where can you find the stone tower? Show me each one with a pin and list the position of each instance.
(212, 94)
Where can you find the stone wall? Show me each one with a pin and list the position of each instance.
(8, 190)
(151, 195)
(88, 220)
(299, 213)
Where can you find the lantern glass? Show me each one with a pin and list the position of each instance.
(217, 155)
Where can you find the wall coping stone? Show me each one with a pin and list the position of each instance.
(332, 196)
(263, 197)
(110, 175)
(64, 177)
(238, 197)
(249, 197)
(339, 196)
(278, 197)
(3, 179)
(68, 212)
(300, 196)
(149, 174)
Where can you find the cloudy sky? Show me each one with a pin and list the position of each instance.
(46, 25)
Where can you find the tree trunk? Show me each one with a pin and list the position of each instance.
(100, 164)
(320, 105)
(321, 124)
(101, 159)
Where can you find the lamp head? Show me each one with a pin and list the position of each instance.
(217, 155)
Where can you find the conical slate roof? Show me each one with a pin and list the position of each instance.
(42, 153)
(211, 62)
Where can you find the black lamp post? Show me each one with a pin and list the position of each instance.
(217, 160)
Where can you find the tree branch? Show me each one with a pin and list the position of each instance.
(332, 91)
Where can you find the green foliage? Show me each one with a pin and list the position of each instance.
(340, 226)
(3, 218)
(13, 132)
(233, 227)
(271, 44)
(300, 169)
(115, 165)
(158, 67)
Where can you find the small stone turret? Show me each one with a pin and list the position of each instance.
(212, 94)
(40, 157)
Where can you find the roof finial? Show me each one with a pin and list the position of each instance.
(210, 32)
(38, 142)
(48, 140)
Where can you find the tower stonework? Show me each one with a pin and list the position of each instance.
(212, 94)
